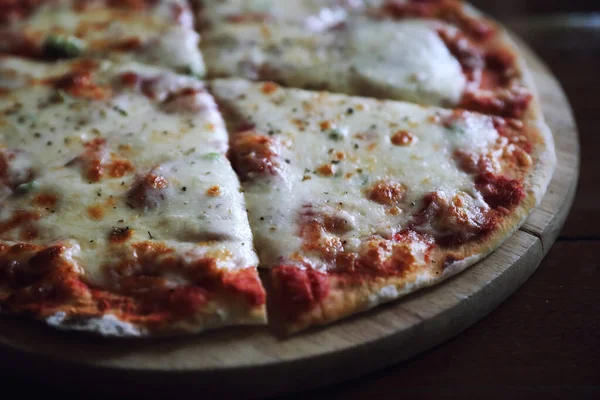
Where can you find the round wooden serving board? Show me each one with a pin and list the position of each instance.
(255, 362)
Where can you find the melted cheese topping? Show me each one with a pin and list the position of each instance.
(407, 60)
(200, 213)
(333, 149)
(404, 60)
(316, 15)
(120, 34)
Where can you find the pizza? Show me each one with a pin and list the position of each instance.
(355, 151)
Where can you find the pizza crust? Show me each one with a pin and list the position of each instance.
(107, 325)
(110, 325)
(544, 154)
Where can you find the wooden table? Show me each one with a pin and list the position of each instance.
(545, 339)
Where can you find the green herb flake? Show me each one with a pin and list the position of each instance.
(26, 187)
(211, 156)
(335, 135)
(454, 127)
(120, 111)
(196, 73)
(59, 97)
(56, 46)
(189, 151)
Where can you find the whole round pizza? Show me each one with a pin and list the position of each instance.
(155, 155)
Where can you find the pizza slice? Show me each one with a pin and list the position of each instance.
(154, 32)
(120, 213)
(355, 201)
(433, 53)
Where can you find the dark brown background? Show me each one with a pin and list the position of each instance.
(544, 341)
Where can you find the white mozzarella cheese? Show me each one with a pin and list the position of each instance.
(404, 60)
(200, 213)
(357, 138)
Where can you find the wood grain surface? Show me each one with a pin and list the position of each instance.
(543, 340)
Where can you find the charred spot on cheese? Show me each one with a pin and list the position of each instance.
(117, 168)
(269, 87)
(90, 160)
(321, 232)
(120, 234)
(387, 193)
(95, 212)
(254, 155)
(326, 170)
(81, 84)
(214, 191)
(381, 257)
(403, 138)
(330, 221)
(96, 159)
(149, 191)
(46, 199)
